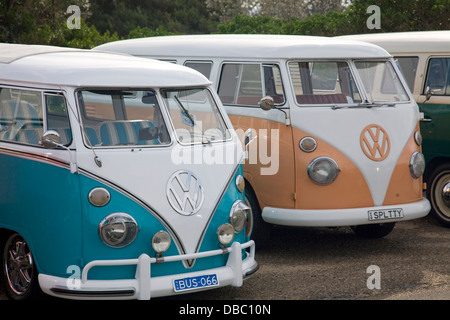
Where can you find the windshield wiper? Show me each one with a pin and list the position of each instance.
(365, 104)
(192, 120)
(184, 110)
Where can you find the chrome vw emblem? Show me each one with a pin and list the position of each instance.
(185, 192)
(375, 142)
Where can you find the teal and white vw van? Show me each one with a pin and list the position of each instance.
(424, 58)
(111, 186)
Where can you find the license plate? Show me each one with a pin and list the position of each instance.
(385, 214)
(193, 283)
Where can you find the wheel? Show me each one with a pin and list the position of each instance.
(19, 271)
(257, 229)
(374, 231)
(439, 194)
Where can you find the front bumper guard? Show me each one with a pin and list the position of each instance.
(143, 286)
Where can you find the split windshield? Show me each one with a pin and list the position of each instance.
(333, 82)
(115, 118)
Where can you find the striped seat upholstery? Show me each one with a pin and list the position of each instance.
(114, 133)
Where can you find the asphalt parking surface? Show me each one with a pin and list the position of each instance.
(412, 262)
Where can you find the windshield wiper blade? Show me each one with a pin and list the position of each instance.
(184, 110)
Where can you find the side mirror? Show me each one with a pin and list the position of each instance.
(266, 103)
(51, 139)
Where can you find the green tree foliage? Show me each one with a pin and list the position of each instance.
(173, 16)
(45, 22)
(397, 15)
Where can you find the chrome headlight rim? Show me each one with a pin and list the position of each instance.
(118, 230)
(417, 164)
(238, 215)
(313, 171)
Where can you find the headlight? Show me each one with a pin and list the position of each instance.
(118, 230)
(238, 215)
(417, 164)
(161, 241)
(323, 170)
(225, 233)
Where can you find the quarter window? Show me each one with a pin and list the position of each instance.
(204, 67)
(24, 120)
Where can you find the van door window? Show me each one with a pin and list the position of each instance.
(246, 84)
(323, 82)
(204, 67)
(438, 76)
(21, 116)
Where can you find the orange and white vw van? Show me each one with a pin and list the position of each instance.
(424, 59)
(336, 127)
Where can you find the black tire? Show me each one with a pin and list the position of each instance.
(440, 201)
(19, 273)
(374, 231)
(257, 229)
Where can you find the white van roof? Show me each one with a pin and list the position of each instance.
(75, 67)
(407, 42)
(245, 46)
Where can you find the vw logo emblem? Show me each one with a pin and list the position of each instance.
(185, 192)
(375, 142)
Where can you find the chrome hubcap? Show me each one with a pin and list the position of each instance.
(18, 265)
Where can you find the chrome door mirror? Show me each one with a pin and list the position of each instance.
(51, 139)
(266, 103)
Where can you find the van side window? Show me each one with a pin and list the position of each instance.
(21, 116)
(323, 82)
(58, 116)
(438, 76)
(408, 66)
(204, 67)
(246, 84)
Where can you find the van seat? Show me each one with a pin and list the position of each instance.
(29, 136)
(321, 98)
(113, 133)
(25, 112)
